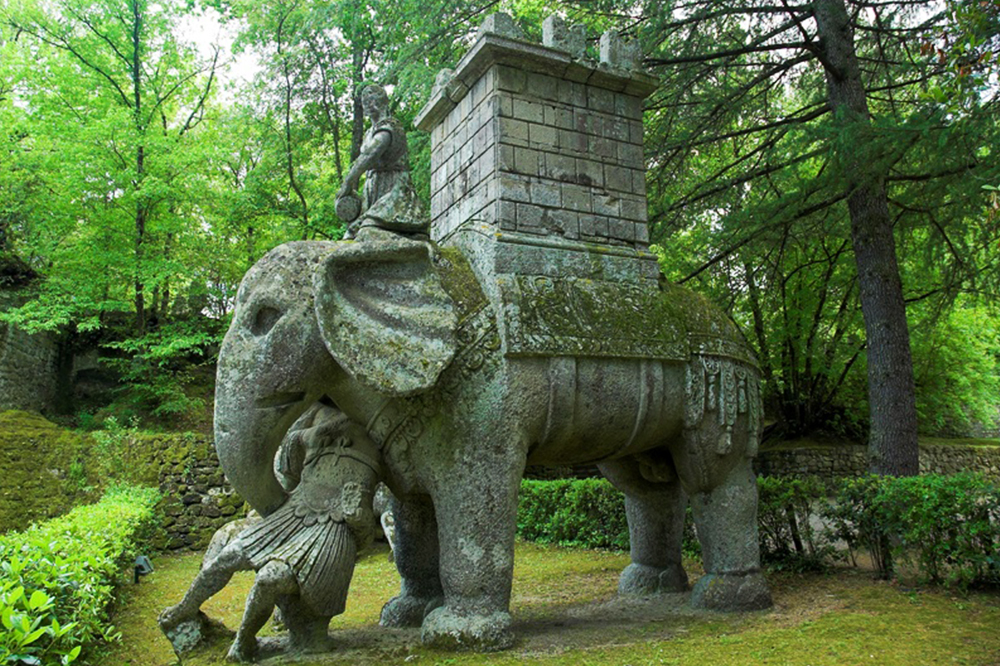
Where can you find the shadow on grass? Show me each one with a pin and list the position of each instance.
(566, 612)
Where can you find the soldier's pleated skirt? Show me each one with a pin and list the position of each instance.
(320, 551)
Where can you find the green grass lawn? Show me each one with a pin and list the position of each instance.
(566, 612)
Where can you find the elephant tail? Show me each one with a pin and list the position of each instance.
(722, 389)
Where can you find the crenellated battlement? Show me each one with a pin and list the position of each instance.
(541, 145)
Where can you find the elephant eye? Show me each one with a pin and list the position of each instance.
(264, 320)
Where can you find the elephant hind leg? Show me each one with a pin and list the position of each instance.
(726, 518)
(655, 511)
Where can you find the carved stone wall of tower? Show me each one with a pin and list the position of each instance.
(537, 155)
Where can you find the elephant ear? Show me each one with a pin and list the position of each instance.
(384, 316)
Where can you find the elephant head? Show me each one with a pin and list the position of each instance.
(312, 317)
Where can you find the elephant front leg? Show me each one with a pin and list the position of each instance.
(726, 518)
(477, 516)
(655, 511)
(416, 555)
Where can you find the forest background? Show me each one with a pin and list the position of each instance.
(140, 176)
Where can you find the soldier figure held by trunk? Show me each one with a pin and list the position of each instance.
(304, 552)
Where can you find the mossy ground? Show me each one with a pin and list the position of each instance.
(44, 470)
(566, 612)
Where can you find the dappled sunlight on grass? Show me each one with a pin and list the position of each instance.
(566, 612)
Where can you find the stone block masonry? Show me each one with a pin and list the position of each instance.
(539, 146)
(533, 153)
(27, 363)
(197, 499)
(833, 462)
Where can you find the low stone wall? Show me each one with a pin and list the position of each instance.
(47, 470)
(197, 499)
(831, 462)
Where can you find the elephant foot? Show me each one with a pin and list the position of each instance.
(408, 611)
(731, 592)
(447, 629)
(642, 579)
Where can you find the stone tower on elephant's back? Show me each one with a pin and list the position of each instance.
(537, 162)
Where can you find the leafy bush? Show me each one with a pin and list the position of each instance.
(786, 516)
(949, 526)
(57, 578)
(573, 512)
(589, 513)
(857, 518)
(946, 527)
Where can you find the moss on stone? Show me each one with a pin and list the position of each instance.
(45, 469)
(48, 470)
(459, 280)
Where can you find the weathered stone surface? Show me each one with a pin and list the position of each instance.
(24, 356)
(501, 24)
(558, 34)
(303, 553)
(616, 52)
(510, 341)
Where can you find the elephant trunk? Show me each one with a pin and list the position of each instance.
(249, 427)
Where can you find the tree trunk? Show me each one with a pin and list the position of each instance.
(357, 110)
(140, 164)
(892, 444)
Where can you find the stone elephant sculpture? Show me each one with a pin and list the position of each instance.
(401, 336)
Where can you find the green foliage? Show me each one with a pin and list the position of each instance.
(957, 369)
(156, 368)
(587, 513)
(948, 526)
(118, 447)
(858, 519)
(574, 512)
(786, 519)
(58, 578)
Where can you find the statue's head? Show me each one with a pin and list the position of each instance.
(375, 101)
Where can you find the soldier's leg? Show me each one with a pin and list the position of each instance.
(274, 578)
(207, 583)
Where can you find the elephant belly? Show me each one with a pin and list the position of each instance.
(597, 409)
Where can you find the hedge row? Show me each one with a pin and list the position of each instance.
(57, 578)
(588, 513)
(945, 527)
